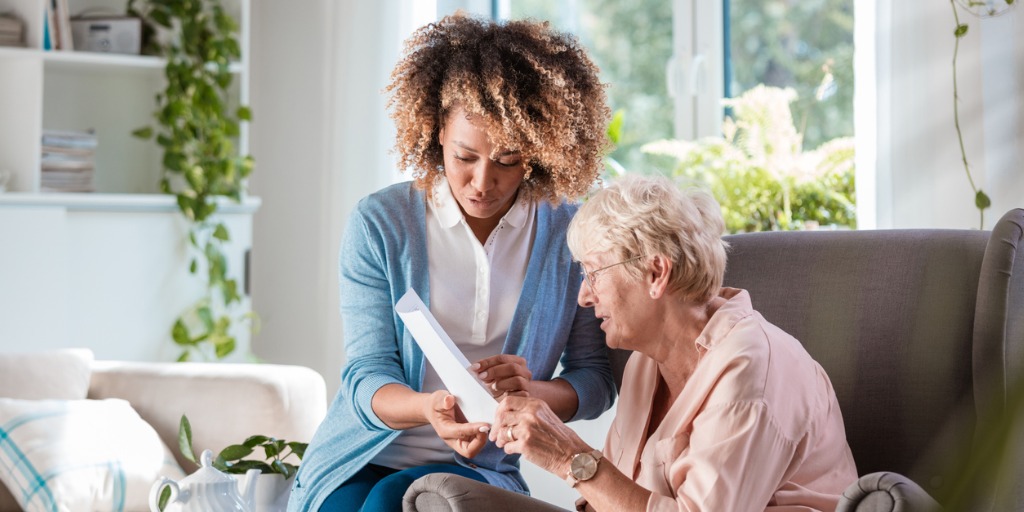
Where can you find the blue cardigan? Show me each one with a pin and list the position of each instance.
(383, 254)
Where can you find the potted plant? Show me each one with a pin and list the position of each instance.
(197, 131)
(759, 172)
(267, 454)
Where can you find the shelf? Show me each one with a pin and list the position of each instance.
(144, 203)
(93, 60)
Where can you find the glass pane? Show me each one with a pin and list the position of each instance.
(630, 41)
(805, 45)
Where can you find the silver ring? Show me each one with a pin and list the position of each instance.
(508, 433)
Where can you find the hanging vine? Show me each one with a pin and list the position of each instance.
(980, 9)
(197, 130)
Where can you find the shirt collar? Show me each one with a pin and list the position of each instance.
(736, 308)
(449, 214)
(444, 204)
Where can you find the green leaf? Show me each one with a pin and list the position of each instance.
(205, 315)
(244, 113)
(184, 357)
(225, 347)
(230, 288)
(143, 133)
(221, 233)
(981, 200)
(235, 452)
(290, 468)
(165, 496)
(961, 30)
(160, 17)
(298, 448)
(185, 439)
(254, 441)
(273, 448)
(179, 333)
(279, 467)
(240, 467)
(192, 266)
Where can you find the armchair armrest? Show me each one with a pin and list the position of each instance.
(886, 492)
(444, 492)
(225, 402)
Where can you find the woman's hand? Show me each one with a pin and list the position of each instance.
(504, 374)
(467, 439)
(528, 426)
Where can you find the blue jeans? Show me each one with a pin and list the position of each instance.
(380, 489)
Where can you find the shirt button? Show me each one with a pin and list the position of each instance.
(481, 315)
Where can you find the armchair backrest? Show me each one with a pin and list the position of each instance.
(920, 330)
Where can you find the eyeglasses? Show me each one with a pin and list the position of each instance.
(591, 277)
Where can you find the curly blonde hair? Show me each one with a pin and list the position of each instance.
(533, 89)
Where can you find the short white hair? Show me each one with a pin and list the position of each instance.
(650, 215)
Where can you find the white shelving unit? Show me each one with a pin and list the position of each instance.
(105, 270)
(112, 94)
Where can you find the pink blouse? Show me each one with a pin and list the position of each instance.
(757, 426)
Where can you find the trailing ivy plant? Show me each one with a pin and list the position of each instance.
(197, 128)
(980, 9)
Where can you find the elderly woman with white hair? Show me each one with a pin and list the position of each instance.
(719, 409)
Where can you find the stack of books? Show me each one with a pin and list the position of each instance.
(68, 161)
(11, 31)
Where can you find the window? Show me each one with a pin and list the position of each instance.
(631, 41)
(669, 64)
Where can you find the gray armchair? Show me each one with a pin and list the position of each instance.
(922, 334)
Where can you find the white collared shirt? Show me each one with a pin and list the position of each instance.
(476, 307)
(474, 290)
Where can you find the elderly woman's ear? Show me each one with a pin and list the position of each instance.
(657, 275)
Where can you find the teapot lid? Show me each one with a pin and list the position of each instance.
(207, 474)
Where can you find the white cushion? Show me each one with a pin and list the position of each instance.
(61, 374)
(80, 455)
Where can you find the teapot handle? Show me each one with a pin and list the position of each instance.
(154, 493)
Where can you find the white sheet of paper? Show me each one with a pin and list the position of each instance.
(446, 358)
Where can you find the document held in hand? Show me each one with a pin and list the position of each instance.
(451, 365)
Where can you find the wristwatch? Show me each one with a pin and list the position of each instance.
(583, 466)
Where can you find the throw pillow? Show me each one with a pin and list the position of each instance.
(81, 455)
(61, 374)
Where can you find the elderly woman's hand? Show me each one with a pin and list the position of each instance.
(504, 374)
(528, 426)
(467, 439)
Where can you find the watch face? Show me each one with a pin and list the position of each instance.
(583, 466)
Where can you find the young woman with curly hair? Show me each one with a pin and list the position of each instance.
(502, 126)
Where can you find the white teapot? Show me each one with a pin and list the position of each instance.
(206, 490)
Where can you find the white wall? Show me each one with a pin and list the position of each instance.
(921, 179)
(321, 141)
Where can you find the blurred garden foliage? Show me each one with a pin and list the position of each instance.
(759, 172)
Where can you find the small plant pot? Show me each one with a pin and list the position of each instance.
(271, 494)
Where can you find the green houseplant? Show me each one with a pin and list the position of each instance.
(267, 454)
(235, 459)
(759, 172)
(197, 129)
